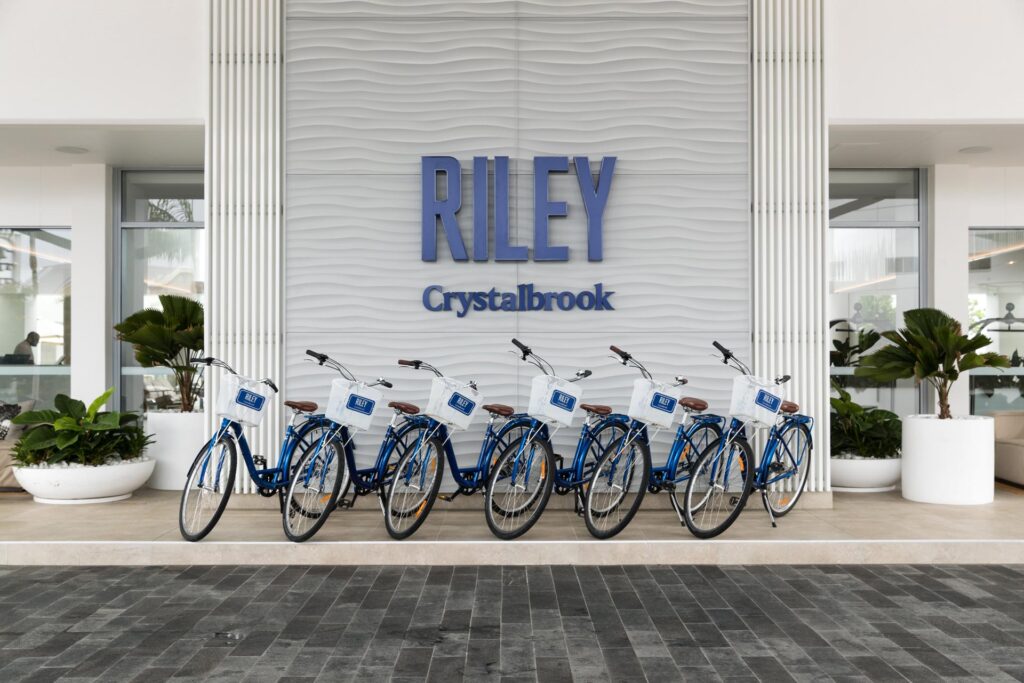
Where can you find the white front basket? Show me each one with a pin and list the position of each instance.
(553, 399)
(654, 402)
(755, 401)
(453, 402)
(352, 403)
(243, 400)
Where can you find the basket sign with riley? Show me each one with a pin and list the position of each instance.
(462, 404)
(768, 401)
(666, 404)
(361, 404)
(250, 399)
(560, 399)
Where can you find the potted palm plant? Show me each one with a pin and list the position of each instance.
(80, 454)
(947, 459)
(170, 337)
(865, 444)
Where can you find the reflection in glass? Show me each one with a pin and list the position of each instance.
(162, 197)
(859, 196)
(995, 300)
(156, 261)
(35, 314)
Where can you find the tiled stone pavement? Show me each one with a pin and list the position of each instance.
(512, 624)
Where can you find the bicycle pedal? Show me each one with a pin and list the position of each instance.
(734, 501)
(260, 462)
(346, 504)
(776, 467)
(446, 497)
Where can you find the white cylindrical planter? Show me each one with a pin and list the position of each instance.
(864, 475)
(949, 462)
(84, 484)
(177, 439)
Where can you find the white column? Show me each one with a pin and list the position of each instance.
(949, 204)
(790, 199)
(244, 204)
(91, 281)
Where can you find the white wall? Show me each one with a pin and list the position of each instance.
(917, 61)
(996, 196)
(103, 61)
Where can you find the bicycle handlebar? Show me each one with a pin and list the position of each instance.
(384, 383)
(724, 351)
(270, 384)
(320, 357)
(619, 352)
(411, 363)
(522, 347)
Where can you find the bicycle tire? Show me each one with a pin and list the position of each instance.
(802, 431)
(296, 511)
(595, 517)
(189, 532)
(702, 437)
(510, 461)
(418, 509)
(718, 464)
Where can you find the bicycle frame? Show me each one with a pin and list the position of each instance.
(271, 478)
(573, 476)
(681, 446)
(471, 479)
(373, 478)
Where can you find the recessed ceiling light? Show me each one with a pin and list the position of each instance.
(975, 149)
(71, 149)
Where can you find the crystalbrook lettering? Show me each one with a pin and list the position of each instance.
(525, 298)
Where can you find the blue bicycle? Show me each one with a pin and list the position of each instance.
(624, 472)
(321, 475)
(725, 475)
(211, 477)
(414, 474)
(527, 471)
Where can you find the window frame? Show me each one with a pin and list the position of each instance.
(118, 226)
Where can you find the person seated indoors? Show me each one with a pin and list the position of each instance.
(23, 349)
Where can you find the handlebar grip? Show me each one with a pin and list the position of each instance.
(385, 383)
(270, 383)
(319, 356)
(616, 350)
(409, 363)
(586, 373)
(725, 352)
(521, 346)
(203, 361)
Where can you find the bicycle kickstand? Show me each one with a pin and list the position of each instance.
(675, 506)
(771, 515)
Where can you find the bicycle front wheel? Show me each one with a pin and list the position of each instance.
(314, 488)
(787, 471)
(210, 481)
(719, 485)
(519, 487)
(617, 486)
(414, 486)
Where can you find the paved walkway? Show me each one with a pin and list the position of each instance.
(448, 624)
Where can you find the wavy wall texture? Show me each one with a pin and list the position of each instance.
(373, 86)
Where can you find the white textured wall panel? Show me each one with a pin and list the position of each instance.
(373, 86)
(509, 8)
(790, 181)
(244, 201)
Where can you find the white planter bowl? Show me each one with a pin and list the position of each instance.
(177, 439)
(949, 462)
(865, 475)
(73, 485)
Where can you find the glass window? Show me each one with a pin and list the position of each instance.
(157, 258)
(35, 310)
(995, 302)
(874, 274)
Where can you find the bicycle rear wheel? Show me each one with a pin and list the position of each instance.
(519, 487)
(207, 489)
(314, 488)
(617, 486)
(788, 470)
(414, 486)
(718, 487)
(701, 438)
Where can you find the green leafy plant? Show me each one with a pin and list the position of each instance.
(170, 338)
(931, 348)
(76, 434)
(846, 353)
(865, 431)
